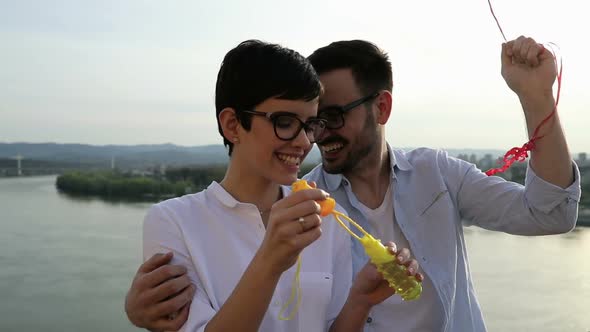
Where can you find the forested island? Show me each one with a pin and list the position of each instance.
(153, 186)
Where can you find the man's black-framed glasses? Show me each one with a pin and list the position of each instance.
(287, 125)
(334, 115)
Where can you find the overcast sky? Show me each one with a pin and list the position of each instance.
(143, 72)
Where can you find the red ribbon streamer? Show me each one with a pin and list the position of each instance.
(516, 153)
(498, 23)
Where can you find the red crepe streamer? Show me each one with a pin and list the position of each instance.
(521, 153)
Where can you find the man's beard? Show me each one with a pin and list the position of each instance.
(363, 145)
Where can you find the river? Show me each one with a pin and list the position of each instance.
(66, 263)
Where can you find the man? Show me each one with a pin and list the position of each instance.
(420, 198)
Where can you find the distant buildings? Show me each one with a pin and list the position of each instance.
(583, 159)
(517, 171)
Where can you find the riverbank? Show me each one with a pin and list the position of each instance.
(118, 185)
(584, 217)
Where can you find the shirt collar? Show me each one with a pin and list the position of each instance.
(332, 180)
(228, 200)
(222, 195)
(397, 158)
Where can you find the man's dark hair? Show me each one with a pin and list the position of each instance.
(255, 71)
(370, 66)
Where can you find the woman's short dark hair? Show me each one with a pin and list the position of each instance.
(255, 71)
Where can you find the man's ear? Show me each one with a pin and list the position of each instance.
(384, 104)
(229, 123)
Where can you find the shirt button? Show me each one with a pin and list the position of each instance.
(369, 320)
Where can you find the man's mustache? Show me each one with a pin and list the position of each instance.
(332, 139)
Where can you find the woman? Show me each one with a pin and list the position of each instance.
(240, 239)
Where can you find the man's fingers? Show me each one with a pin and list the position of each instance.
(506, 54)
(181, 318)
(530, 52)
(545, 53)
(419, 277)
(517, 46)
(523, 50)
(161, 274)
(391, 247)
(169, 288)
(412, 267)
(175, 303)
(155, 262)
(403, 256)
(527, 44)
(532, 56)
(173, 322)
(534, 53)
(507, 46)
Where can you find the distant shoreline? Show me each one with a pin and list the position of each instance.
(584, 217)
(583, 213)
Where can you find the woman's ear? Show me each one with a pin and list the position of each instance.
(229, 123)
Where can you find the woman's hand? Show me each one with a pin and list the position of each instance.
(293, 224)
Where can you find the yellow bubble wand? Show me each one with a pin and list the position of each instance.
(408, 287)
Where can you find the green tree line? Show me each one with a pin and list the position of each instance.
(182, 180)
(173, 183)
(111, 184)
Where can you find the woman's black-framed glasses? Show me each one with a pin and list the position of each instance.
(287, 125)
(334, 115)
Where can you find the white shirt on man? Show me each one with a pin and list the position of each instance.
(424, 314)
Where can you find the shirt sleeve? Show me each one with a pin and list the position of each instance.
(490, 202)
(160, 235)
